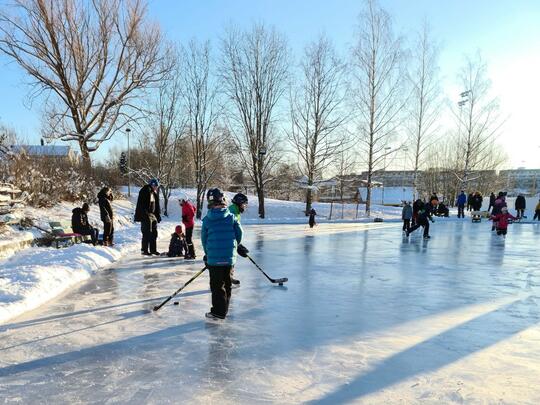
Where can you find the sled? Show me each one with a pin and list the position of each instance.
(477, 216)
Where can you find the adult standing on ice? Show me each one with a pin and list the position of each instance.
(237, 207)
(520, 206)
(492, 199)
(312, 214)
(147, 213)
(461, 201)
(220, 235)
(107, 215)
(188, 219)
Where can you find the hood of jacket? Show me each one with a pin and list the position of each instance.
(215, 214)
(77, 210)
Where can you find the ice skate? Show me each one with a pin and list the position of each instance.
(212, 317)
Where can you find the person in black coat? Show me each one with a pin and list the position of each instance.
(312, 214)
(492, 199)
(417, 206)
(424, 216)
(470, 199)
(107, 216)
(520, 205)
(80, 225)
(148, 214)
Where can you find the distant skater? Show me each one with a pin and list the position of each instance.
(406, 215)
(461, 201)
(502, 221)
(520, 206)
(312, 214)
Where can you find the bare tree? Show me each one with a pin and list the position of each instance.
(380, 100)
(425, 98)
(344, 165)
(163, 134)
(316, 111)
(479, 120)
(254, 71)
(202, 111)
(89, 58)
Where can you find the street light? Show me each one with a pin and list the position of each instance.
(464, 100)
(405, 150)
(129, 163)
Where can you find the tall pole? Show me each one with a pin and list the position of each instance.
(129, 163)
(384, 173)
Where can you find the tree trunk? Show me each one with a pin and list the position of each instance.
(200, 201)
(260, 196)
(309, 199)
(85, 156)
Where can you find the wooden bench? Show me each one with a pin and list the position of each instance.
(64, 235)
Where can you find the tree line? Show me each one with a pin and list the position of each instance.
(240, 107)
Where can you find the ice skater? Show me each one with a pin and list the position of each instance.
(499, 204)
(237, 208)
(461, 201)
(406, 215)
(520, 206)
(220, 235)
(424, 216)
(502, 221)
(312, 214)
(178, 246)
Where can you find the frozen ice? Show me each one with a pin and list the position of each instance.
(367, 316)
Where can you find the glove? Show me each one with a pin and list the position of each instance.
(242, 250)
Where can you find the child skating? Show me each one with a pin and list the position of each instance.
(502, 221)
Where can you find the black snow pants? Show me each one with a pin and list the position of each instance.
(108, 233)
(93, 232)
(461, 211)
(536, 215)
(424, 223)
(406, 225)
(149, 234)
(220, 285)
(189, 241)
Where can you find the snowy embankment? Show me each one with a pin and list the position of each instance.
(34, 275)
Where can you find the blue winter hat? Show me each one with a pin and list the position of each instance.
(154, 182)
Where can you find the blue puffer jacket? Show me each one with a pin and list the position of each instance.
(220, 233)
(462, 199)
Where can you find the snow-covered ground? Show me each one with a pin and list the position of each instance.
(32, 276)
(366, 317)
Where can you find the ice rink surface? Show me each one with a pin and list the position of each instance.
(366, 317)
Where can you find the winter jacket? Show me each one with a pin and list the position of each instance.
(502, 220)
(492, 199)
(235, 210)
(79, 220)
(147, 205)
(177, 246)
(417, 206)
(537, 207)
(188, 214)
(425, 213)
(406, 213)
(220, 234)
(461, 200)
(520, 203)
(498, 206)
(477, 202)
(312, 214)
(105, 208)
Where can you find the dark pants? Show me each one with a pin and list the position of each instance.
(189, 241)
(149, 235)
(93, 232)
(406, 225)
(520, 213)
(420, 223)
(220, 285)
(461, 211)
(536, 215)
(108, 233)
(501, 231)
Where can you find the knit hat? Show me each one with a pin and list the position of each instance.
(179, 229)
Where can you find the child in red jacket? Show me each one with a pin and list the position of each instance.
(502, 221)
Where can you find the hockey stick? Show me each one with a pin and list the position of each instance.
(180, 289)
(280, 281)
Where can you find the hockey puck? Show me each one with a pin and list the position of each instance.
(175, 302)
(280, 283)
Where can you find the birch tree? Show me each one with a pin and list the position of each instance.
(88, 59)
(425, 101)
(253, 74)
(202, 111)
(479, 120)
(379, 91)
(317, 113)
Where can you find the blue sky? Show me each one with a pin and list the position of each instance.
(506, 32)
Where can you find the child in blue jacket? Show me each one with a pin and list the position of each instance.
(220, 235)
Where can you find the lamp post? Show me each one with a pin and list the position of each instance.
(129, 163)
(464, 100)
(405, 150)
(384, 172)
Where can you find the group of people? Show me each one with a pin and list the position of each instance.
(420, 214)
(81, 225)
